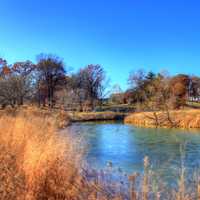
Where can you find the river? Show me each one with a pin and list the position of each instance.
(126, 146)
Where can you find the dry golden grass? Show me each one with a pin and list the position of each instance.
(39, 163)
(179, 118)
(60, 117)
(94, 116)
(34, 159)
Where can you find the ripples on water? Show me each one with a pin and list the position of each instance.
(126, 146)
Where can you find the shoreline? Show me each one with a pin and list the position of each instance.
(65, 118)
(186, 119)
(95, 116)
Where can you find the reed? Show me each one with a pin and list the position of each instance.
(37, 162)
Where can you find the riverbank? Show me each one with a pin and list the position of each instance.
(189, 118)
(95, 116)
(64, 118)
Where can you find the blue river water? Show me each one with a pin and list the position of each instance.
(126, 146)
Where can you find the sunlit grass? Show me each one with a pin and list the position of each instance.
(37, 162)
(92, 116)
(188, 118)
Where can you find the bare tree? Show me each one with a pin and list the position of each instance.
(15, 82)
(141, 86)
(51, 75)
(75, 95)
(25, 82)
(91, 81)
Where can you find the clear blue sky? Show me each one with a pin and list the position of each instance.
(121, 35)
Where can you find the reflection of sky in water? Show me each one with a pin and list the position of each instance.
(125, 146)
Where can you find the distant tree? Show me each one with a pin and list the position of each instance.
(7, 92)
(51, 75)
(130, 97)
(194, 88)
(179, 88)
(147, 87)
(141, 85)
(24, 77)
(91, 81)
(4, 68)
(117, 95)
(136, 81)
(75, 93)
(23, 69)
(15, 82)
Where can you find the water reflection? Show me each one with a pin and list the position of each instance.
(125, 146)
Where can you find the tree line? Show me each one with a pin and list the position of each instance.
(158, 91)
(48, 83)
(161, 91)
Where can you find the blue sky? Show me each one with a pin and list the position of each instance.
(121, 35)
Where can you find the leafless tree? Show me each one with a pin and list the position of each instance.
(23, 72)
(91, 82)
(51, 75)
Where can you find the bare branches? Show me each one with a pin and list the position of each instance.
(51, 74)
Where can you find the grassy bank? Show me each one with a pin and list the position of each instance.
(64, 118)
(95, 116)
(60, 117)
(189, 118)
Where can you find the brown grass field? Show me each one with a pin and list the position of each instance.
(37, 162)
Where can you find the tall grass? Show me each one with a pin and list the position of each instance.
(189, 118)
(39, 163)
(36, 163)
